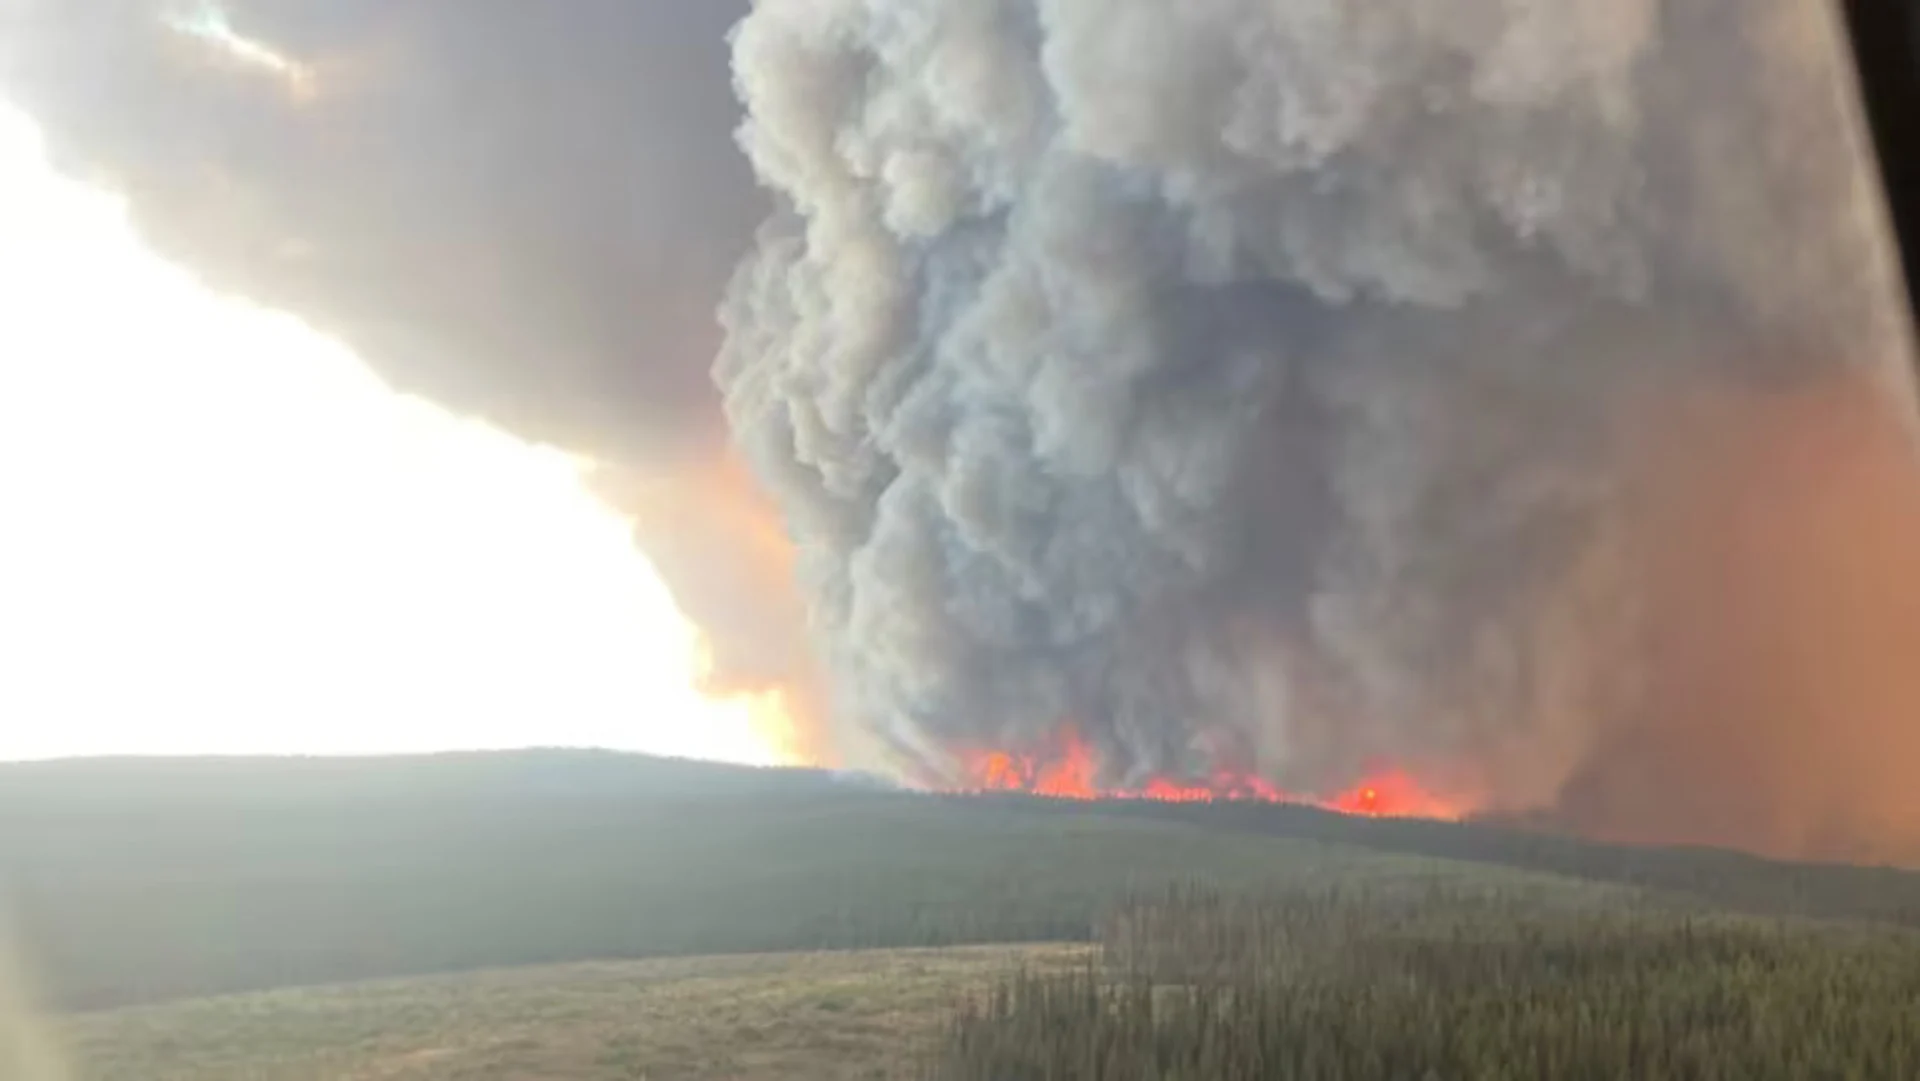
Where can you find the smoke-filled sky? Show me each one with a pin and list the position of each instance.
(1513, 392)
(226, 535)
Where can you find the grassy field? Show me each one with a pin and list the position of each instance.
(820, 1016)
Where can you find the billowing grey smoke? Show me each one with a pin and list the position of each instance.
(1251, 377)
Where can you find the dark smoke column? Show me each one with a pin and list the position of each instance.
(1269, 379)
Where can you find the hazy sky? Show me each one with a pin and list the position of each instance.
(220, 533)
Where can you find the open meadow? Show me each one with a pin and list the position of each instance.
(845, 1015)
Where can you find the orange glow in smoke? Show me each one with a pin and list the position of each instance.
(723, 551)
(1782, 532)
(781, 725)
(1393, 794)
(1072, 772)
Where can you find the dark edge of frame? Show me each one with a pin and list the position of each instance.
(1885, 36)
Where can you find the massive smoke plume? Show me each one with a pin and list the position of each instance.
(1511, 391)
(1266, 378)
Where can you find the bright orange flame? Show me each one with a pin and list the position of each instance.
(1393, 794)
(1072, 772)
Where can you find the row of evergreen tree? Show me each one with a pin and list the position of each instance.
(1450, 983)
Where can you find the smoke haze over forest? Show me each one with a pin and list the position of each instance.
(1510, 392)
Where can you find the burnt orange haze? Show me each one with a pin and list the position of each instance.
(1070, 770)
(1781, 701)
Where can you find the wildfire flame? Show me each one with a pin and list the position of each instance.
(1071, 772)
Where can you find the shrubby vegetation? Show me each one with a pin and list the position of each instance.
(1450, 983)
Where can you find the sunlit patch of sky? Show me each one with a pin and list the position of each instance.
(209, 24)
(220, 532)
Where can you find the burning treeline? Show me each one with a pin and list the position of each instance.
(1505, 396)
(1069, 769)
